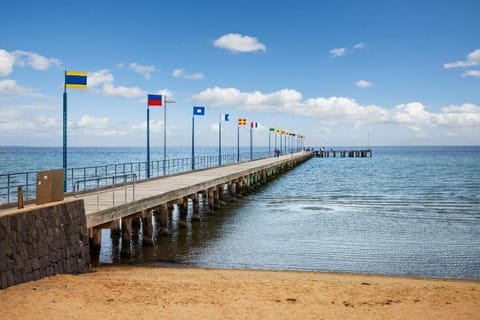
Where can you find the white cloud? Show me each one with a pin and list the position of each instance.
(100, 77)
(155, 126)
(11, 88)
(363, 84)
(103, 79)
(214, 127)
(94, 126)
(123, 92)
(338, 52)
(473, 59)
(360, 46)
(181, 73)
(143, 70)
(231, 97)
(471, 73)
(35, 60)
(339, 109)
(7, 61)
(22, 58)
(235, 42)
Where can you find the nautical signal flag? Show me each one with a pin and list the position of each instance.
(278, 131)
(154, 100)
(75, 79)
(198, 110)
(227, 117)
(253, 124)
(242, 122)
(271, 129)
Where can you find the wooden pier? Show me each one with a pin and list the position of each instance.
(351, 153)
(152, 201)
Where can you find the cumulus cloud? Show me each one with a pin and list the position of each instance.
(339, 109)
(338, 52)
(232, 97)
(95, 126)
(102, 82)
(123, 92)
(360, 46)
(7, 60)
(363, 84)
(473, 59)
(11, 88)
(235, 42)
(146, 71)
(100, 77)
(155, 126)
(471, 73)
(24, 58)
(181, 73)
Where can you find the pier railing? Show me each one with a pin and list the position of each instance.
(124, 183)
(9, 182)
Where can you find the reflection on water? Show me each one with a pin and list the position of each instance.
(406, 213)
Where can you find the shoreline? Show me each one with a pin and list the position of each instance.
(148, 292)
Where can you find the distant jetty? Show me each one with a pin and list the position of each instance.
(344, 153)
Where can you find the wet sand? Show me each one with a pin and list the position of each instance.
(126, 292)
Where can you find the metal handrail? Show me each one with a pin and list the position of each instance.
(109, 187)
(9, 182)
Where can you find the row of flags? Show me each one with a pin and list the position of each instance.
(78, 80)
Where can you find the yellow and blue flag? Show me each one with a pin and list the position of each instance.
(75, 79)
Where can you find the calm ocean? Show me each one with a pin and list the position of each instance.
(405, 211)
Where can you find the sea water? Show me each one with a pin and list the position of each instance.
(405, 211)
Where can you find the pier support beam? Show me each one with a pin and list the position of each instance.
(195, 207)
(211, 200)
(161, 220)
(95, 241)
(182, 205)
(126, 250)
(147, 228)
(232, 190)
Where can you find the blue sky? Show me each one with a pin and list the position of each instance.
(338, 72)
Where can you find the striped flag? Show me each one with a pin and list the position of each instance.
(253, 124)
(155, 100)
(75, 80)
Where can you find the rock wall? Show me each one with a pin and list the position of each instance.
(43, 241)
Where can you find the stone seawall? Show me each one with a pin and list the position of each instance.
(42, 241)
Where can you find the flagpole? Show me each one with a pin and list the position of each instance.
(193, 142)
(165, 135)
(275, 136)
(220, 140)
(251, 141)
(269, 144)
(148, 141)
(65, 133)
(238, 143)
(281, 150)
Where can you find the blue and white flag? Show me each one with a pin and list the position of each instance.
(227, 117)
(198, 110)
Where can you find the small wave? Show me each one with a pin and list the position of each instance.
(315, 208)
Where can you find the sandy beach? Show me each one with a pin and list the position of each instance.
(126, 292)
